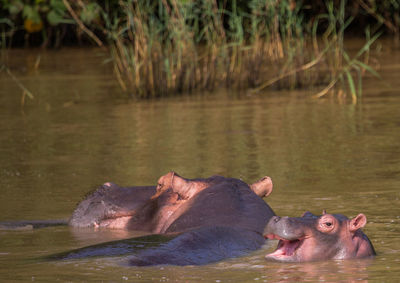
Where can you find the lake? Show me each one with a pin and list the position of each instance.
(80, 131)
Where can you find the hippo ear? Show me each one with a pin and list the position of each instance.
(178, 183)
(358, 222)
(262, 187)
(170, 180)
(165, 181)
(184, 187)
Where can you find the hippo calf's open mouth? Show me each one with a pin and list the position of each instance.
(286, 248)
(312, 237)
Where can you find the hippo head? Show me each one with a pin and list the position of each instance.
(313, 238)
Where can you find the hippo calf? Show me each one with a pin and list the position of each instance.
(313, 238)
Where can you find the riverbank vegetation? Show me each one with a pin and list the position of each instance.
(166, 47)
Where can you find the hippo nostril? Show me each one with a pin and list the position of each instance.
(276, 218)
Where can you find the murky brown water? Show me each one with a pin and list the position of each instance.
(80, 131)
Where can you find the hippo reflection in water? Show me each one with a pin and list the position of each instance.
(312, 238)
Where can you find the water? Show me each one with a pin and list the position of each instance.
(80, 131)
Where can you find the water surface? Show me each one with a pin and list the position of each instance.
(80, 131)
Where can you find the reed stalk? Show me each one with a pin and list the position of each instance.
(164, 47)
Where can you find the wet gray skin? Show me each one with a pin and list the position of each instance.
(313, 238)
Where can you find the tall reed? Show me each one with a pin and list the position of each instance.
(164, 47)
(173, 46)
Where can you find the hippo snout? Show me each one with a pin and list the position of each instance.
(271, 225)
(283, 228)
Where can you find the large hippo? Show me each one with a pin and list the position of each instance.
(213, 218)
(313, 238)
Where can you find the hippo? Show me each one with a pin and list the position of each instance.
(176, 204)
(315, 238)
(200, 221)
(209, 219)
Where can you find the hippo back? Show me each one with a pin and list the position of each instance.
(230, 203)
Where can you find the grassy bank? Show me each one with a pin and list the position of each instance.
(165, 47)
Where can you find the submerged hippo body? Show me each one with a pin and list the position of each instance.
(214, 218)
(313, 238)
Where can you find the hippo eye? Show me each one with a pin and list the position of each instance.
(326, 224)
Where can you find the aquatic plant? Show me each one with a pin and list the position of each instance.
(25, 91)
(163, 47)
(336, 67)
(42, 17)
